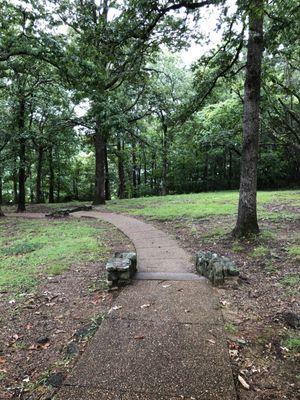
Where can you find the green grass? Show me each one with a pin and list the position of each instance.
(31, 249)
(292, 343)
(290, 280)
(259, 252)
(201, 205)
(294, 251)
(230, 328)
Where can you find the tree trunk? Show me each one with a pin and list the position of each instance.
(107, 183)
(15, 188)
(99, 195)
(230, 171)
(205, 170)
(134, 168)
(1, 197)
(164, 189)
(51, 176)
(247, 212)
(1, 188)
(39, 194)
(121, 171)
(22, 156)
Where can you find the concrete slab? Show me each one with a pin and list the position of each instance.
(178, 265)
(164, 339)
(177, 302)
(97, 393)
(135, 356)
(167, 276)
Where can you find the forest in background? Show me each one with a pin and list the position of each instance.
(96, 101)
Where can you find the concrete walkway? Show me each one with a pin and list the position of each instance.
(163, 339)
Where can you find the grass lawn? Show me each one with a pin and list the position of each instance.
(271, 205)
(30, 249)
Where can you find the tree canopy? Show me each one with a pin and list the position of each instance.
(98, 100)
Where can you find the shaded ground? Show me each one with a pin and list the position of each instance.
(264, 348)
(47, 319)
(262, 345)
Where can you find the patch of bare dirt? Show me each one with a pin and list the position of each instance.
(44, 332)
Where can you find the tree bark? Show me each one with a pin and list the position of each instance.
(99, 142)
(230, 171)
(107, 182)
(134, 168)
(1, 188)
(1, 197)
(51, 176)
(22, 156)
(164, 189)
(121, 171)
(247, 211)
(39, 194)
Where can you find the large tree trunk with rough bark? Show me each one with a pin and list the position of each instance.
(22, 156)
(247, 213)
(99, 141)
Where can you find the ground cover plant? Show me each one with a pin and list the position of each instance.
(53, 296)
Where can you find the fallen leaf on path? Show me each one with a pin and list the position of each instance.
(211, 341)
(2, 360)
(233, 353)
(224, 303)
(145, 305)
(243, 382)
(115, 308)
(139, 337)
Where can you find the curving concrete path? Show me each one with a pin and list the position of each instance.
(164, 337)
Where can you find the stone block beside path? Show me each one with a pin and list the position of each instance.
(121, 269)
(215, 268)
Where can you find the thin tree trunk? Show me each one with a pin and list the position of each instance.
(205, 170)
(22, 157)
(164, 189)
(39, 194)
(15, 188)
(58, 177)
(134, 168)
(1, 196)
(99, 195)
(1, 188)
(230, 171)
(247, 212)
(121, 171)
(51, 176)
(107, 182)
